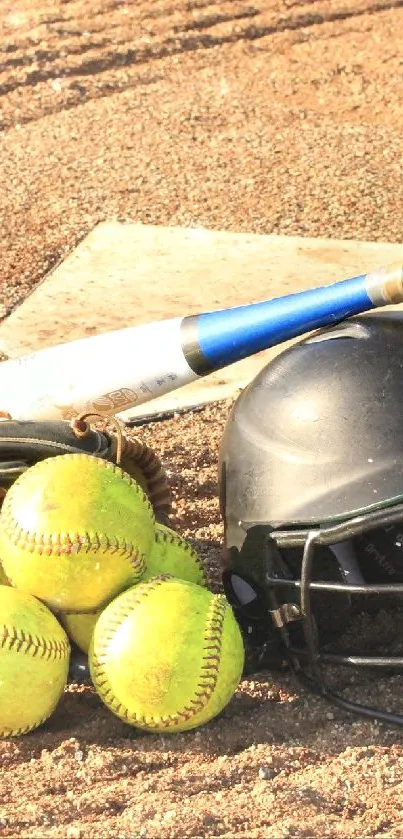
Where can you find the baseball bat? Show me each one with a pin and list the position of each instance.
(114, 371)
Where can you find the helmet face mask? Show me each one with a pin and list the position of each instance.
(298, 583)
(290, 613)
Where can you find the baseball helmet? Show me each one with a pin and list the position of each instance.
(311, 496)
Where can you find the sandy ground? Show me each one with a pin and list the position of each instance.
(279, 117)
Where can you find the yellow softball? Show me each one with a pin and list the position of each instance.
(74, 532)
(166, 655)
(79, 627)
(34, 662)
(171, 554)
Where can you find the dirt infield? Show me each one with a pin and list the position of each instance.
(276, 117)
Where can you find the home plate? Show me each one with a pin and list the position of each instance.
(127, 274)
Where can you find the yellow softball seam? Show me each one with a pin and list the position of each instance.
(67, 544)
(173, 538)
(128, 478)
(16, 732)
(12, 638)
(209, 668)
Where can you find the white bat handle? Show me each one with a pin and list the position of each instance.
(107, 374)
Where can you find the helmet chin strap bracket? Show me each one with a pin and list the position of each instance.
(285, 614)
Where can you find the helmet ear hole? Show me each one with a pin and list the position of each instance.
(248, 601)
(241, 592)
(242, 583)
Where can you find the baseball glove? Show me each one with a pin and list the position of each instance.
(23, 443)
